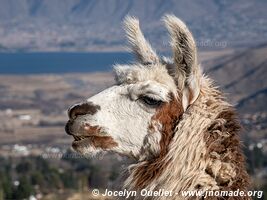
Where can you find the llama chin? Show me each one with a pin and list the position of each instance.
(87, 150)
(168, 116)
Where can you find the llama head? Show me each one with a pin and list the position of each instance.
(137, 116)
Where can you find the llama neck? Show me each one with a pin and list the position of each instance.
(196, 159)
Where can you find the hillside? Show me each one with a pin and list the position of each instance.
(243, 76)
(95, 25)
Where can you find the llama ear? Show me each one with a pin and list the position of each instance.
(141, 48)
(185, 69)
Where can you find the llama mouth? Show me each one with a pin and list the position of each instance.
(81, 140)
(95, 141)
(81, 137)
(78, 138)
(84, 141)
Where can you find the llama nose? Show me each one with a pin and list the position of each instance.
(85, 108)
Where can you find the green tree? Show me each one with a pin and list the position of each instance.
(37, 178)
(68, 179)
(6, 185)
(24, 190)
(24, 167)
(1, 193)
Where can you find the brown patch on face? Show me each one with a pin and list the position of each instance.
(103, 142)
(222, 140)
(167, 115)
(93, 136)
(92, 130)
(83, 109)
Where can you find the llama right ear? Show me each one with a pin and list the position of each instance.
(140, 47)
(185, 71)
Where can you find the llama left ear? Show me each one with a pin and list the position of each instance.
(185, 70)
(140, 47)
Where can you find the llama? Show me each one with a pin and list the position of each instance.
(167, 116)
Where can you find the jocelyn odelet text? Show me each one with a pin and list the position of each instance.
(145, 193)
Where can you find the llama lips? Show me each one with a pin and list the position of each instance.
(78, 138)
(78, 141)
(102, 142)
(83, 141)
(81, 137)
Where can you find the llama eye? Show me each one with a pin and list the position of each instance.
(150, 101)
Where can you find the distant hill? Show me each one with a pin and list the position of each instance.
(95, 25)
(244, 76)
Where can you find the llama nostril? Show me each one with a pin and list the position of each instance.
(75, 111)
(83, 109)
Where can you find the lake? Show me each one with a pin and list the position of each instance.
(37, 63)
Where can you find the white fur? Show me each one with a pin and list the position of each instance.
(123, 116)
(140, 47)
(187, 71)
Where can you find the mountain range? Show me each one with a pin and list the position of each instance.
(95, 25)
(242, 75)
